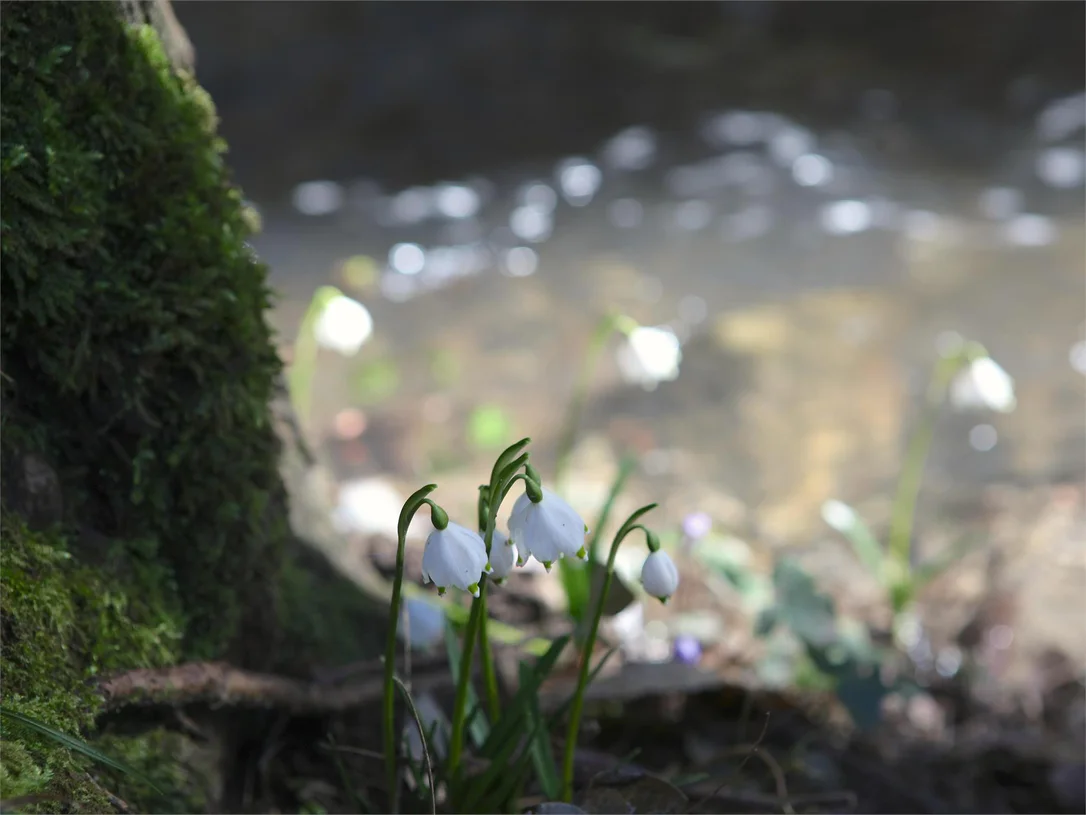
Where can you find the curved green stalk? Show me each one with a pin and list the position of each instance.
(303, 363)
(903, 514)
(410, 507)
(577, 705)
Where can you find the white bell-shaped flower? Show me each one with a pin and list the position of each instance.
(650, 355)
(984, 384)
(548, 530)
(344, 325)
(503, 556)
(454, 556)
(659, 576)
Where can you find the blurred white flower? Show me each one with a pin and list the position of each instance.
(650, 355)
(421, 623)
(548, 530)
(659, 576)
(503, 556)
(983, 384)
(344, 325)
(838, 515)
(454, 556)
(369, 506)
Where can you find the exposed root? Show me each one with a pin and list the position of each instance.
(219, 685)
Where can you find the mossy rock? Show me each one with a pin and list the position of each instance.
(144, 518)
(65, 623)
(136, 355)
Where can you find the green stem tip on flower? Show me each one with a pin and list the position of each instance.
(651, 539)
(533, 474)
(508, 454)
(533, 490)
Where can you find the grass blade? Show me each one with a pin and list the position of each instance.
(539, 745)
(422, 735)
(510, 725)
(512, 773)
(74, 744)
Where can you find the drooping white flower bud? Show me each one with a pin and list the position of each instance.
(503, 556)
(344, 325)
(549, 530)
(454, 556)
(650, 355)
(659, 576)
(984, 384)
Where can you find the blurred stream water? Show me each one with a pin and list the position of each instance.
(811, 287)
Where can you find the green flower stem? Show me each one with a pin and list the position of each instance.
(486, 656)
(456, 738)
(903, 514)
(577, 706)
(607, 325)
(410, 507)
(490, 677)
(303, 363)
(501, 479)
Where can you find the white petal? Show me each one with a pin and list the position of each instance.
(994, 384)
(517, 516)
(503, 556)
(983, 384)
(650, 355)
(454, 556)
(344, 325)
(548, 530)
(659, 575)
(564, 523)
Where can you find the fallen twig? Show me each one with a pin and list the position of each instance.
(220, 685)
(114, 801)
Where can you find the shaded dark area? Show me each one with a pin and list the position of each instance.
(413, 92)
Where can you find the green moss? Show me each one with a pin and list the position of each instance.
(136, 353)
(138, 368)
(63, 623)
